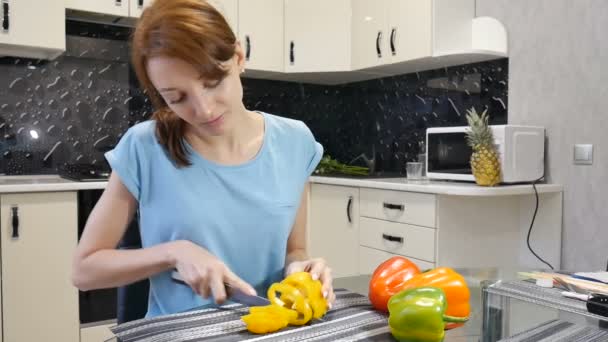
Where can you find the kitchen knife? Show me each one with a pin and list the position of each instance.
(234, 294)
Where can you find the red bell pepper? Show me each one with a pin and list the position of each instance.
(390, 278)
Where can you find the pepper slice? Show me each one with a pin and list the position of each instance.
(267, 321)
(275, 309)
(292, 299)
(311, 289)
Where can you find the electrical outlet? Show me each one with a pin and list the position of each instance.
(583, 154)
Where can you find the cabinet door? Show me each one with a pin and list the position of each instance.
(137, 6)
(230, 11)
(317, 35)
(410, 33)
(96, 333)
(112, 7)
(370, 34)
(19, 29)
(38, 238)
(334, 227)
(261, 34)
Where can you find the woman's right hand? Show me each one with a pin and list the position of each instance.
(205, 273)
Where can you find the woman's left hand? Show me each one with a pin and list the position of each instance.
(318, 269)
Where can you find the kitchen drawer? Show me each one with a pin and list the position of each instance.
(370, 259)
(398, 238)
(398, 206)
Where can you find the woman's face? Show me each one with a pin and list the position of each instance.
(209, 106)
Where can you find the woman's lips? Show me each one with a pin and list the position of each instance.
(215, 122)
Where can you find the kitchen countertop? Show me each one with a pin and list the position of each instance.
(437, 187)
(42, 183)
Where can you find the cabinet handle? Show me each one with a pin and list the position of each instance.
(392, 238)
(15, 222)
(292, 54)
(348, 207)
(393, 37)
(247, 47)
(378, 49)
(118, 2)
(140, 3)
(391, 206)
(5, 16)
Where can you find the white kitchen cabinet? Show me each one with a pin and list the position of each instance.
(17, 36)
(230, 11)
(228, 8)
(261, 27)
(394, 31)
(317, 35)
(137, 6)
(371, 258)
(38, 237)
(334, 227)
(96, 333)
(112, 7)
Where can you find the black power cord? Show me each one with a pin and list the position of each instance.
(532, 224)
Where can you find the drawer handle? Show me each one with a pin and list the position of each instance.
(15, 222)
(5, 16)
(391, 206)
(393, 35)
(392, 238)
(247, 47)
(378, 49)
(348, 207)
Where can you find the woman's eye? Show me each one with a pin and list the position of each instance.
(213, 84)
(176, 100)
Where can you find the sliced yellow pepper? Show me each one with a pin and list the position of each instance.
(263, 322)
(299, 301)
(275, 309)
(291, 295)
(311, 289)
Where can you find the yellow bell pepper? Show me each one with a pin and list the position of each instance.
(311, 289)
(299, 301)
(263, 322)
(294, 299)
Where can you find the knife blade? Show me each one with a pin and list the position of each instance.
(234, 294)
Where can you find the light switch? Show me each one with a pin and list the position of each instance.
(583, 154)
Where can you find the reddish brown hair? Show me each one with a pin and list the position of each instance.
(193, 31)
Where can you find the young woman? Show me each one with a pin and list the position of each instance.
(220, 190)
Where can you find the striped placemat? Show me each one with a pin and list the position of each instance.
(352, 318)
(560, 331)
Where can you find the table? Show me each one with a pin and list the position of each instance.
(488, 322)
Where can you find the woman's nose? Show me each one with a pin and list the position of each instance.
(203, 105)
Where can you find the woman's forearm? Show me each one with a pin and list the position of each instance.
(109, 268)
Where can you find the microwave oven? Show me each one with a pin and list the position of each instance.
(521, 151)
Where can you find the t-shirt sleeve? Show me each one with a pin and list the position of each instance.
(313, 151)
(126, 159)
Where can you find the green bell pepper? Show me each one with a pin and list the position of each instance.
(417, 315)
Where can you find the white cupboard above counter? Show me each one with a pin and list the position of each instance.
(32, 28)
(340, 41)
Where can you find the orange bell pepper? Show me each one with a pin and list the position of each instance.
(453, 284)
(388, 279)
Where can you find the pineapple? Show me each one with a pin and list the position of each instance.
(484, 160)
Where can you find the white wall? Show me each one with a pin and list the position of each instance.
(558, 78)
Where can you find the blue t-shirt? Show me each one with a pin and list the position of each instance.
(242, 214)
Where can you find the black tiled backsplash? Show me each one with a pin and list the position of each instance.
(74, 108)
